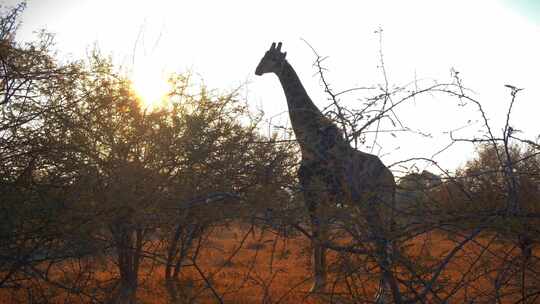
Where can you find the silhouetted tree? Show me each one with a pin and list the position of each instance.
(32, 84)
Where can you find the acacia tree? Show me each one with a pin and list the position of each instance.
(220, 170)
(147, 174)
(88, 175)
(28, 72)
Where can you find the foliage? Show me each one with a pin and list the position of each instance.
(88, 175)
(103, 201)
(30, 223)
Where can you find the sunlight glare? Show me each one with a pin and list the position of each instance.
(150, 85)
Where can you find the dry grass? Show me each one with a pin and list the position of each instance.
(276, 270)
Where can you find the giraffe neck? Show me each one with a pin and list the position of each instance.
(306, 119)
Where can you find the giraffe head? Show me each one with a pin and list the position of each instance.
(273, 60)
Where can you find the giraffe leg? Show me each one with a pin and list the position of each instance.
(384, 291)
(388, 290)
(319, 259)
(322, 264)
(312, 197)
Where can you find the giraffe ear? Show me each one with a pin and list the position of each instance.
(283, 56)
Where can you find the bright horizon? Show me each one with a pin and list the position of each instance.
(491, 43)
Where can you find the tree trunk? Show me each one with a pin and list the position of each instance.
(128, 243)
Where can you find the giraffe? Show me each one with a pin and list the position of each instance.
(332, 172)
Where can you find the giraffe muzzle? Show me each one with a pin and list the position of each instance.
(258, 71)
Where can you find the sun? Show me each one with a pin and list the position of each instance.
(150, 84)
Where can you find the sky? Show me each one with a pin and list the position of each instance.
(490, 42)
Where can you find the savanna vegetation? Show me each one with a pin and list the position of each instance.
(102, 201)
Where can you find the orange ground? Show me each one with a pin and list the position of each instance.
(276, 270)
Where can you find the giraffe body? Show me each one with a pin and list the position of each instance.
(331, 171)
